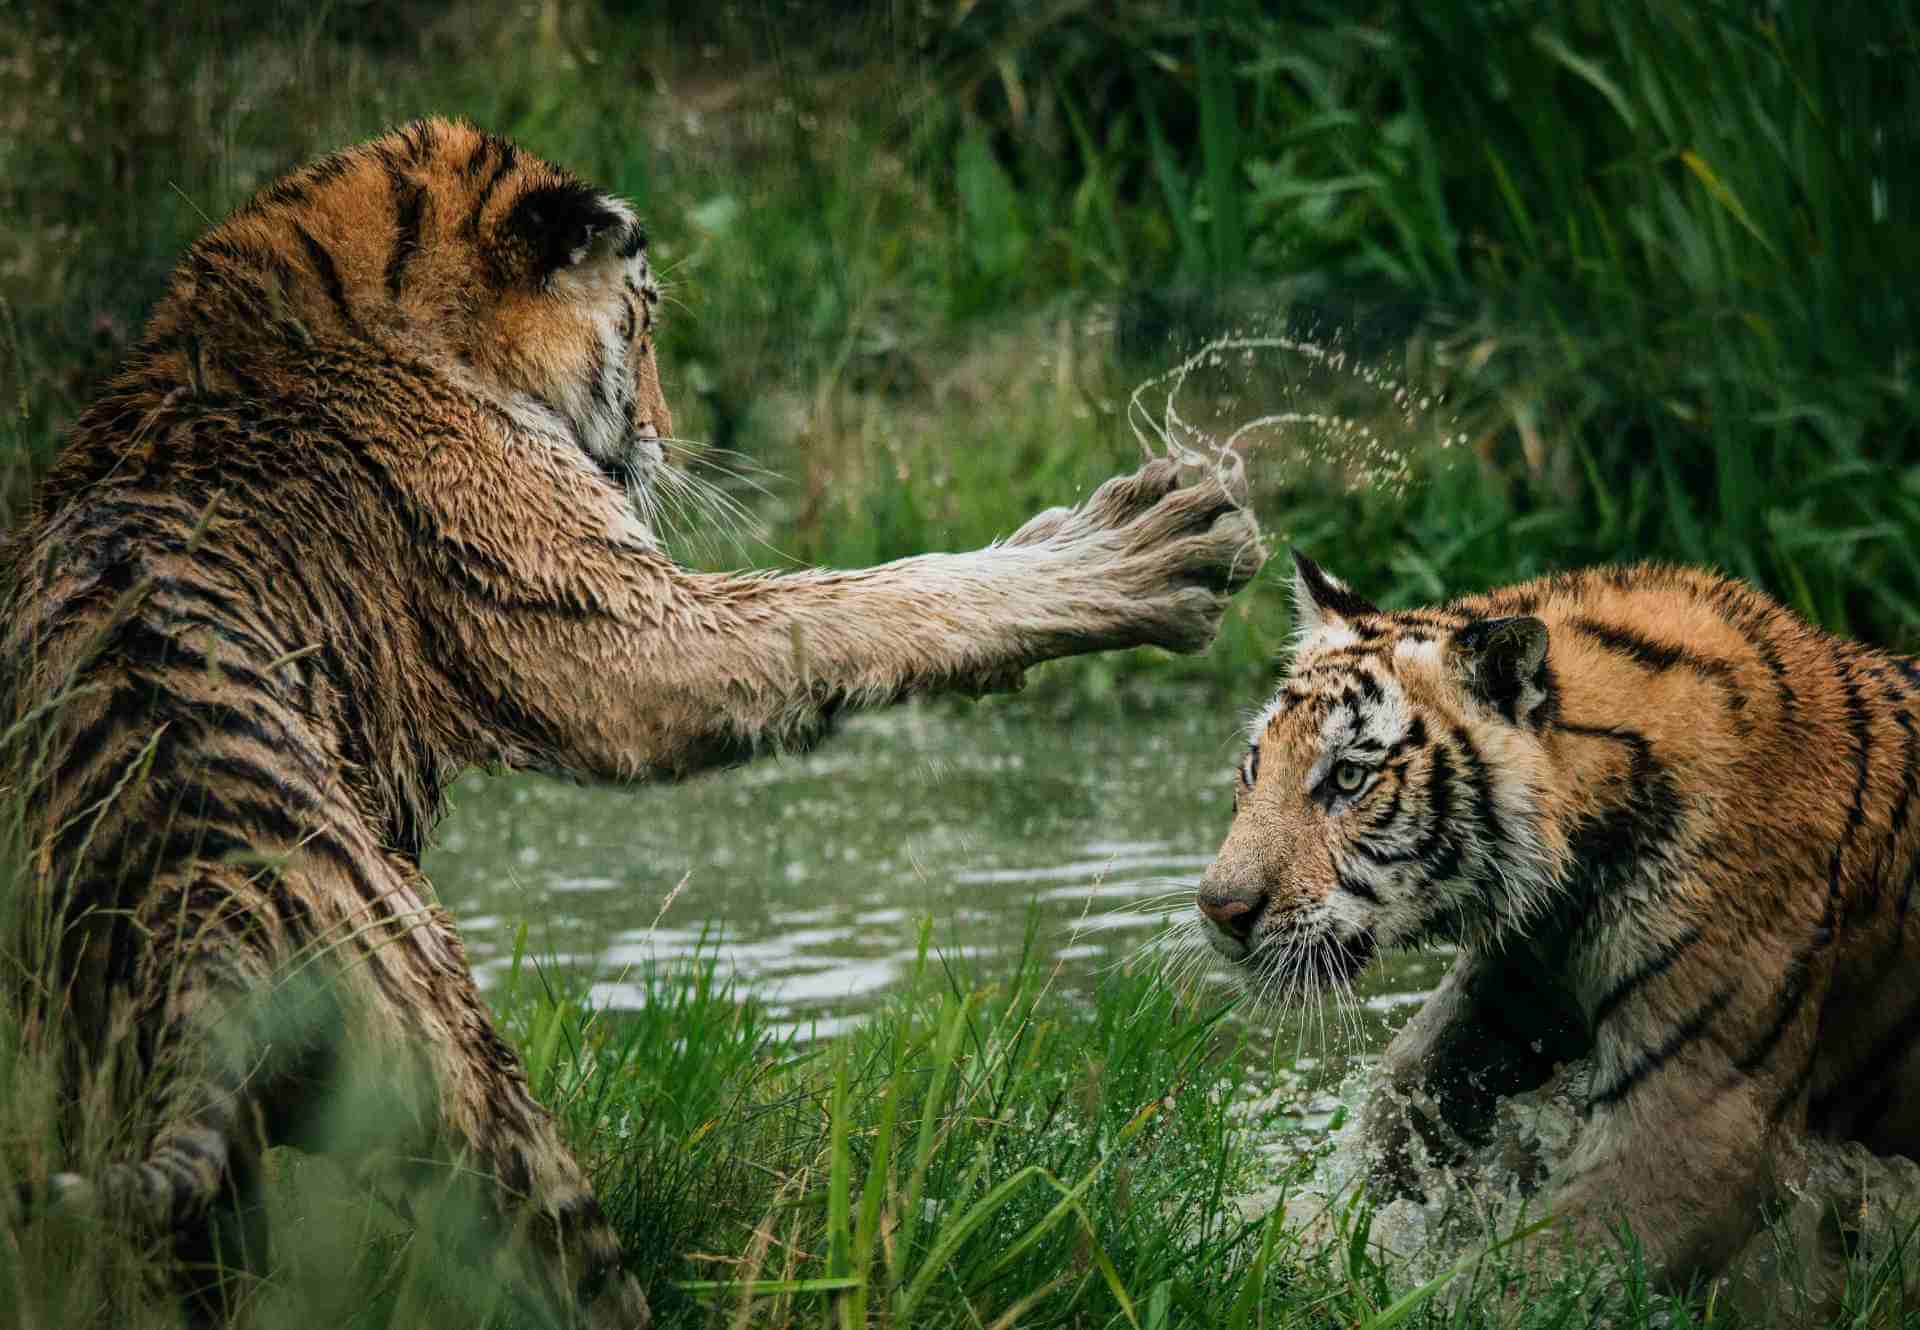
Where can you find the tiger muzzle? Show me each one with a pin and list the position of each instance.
(1231, 915)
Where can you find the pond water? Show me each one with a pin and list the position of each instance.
(810, 876)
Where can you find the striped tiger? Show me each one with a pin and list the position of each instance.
(370, 504)
(1670, 826)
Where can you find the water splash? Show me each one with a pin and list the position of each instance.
(1345, 413)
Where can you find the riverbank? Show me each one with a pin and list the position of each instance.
(979, 1152)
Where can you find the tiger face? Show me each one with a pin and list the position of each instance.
(1388, 796)
(509, 277)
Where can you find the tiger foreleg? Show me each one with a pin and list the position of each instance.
(1696, 1104)
(667, 672)
(514, 1192)
(1145, 561)
(1495, 1026)
(1689, 1204)
(1671, 1155)
(566, 1247)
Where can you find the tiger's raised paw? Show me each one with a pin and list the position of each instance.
(1158, 557)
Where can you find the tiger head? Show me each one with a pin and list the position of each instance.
(1389, 796)
(440, 248)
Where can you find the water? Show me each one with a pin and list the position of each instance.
(1292, 403)
(810, 876)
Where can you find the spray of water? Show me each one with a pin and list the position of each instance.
(1315, 427)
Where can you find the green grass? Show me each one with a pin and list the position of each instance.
(978, 1152)
(981, 1146)
(982, 1151)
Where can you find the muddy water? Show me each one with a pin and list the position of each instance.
(810, 876)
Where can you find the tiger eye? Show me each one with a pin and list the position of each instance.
(1349, 777)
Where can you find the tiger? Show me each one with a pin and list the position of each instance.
(1670, 828)
(370, 505)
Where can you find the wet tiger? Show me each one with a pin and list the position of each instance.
(1671, 828)
(369, 506)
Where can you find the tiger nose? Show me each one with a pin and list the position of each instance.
(1235, 914)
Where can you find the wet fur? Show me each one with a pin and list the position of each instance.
(368, 507)
(1669, 824)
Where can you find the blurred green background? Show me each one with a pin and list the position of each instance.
(1650, 266)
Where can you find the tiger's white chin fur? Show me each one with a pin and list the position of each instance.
(1281, 970)
(640, 460)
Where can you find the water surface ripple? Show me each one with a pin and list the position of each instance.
(810, 875)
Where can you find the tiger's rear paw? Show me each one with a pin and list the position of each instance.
(620, 1306)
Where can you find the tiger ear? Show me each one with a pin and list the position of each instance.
(1320, 598)
(1503, 662)
(562, 226)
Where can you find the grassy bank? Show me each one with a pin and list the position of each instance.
(977, 1154)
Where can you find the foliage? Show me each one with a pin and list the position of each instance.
(1645, 255)
(1654, 246)
(979, 1152)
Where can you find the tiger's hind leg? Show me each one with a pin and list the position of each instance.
(200, 1185)
(229, 1046)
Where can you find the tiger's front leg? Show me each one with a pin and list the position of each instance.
(1686, 1160)
(1677, 1148)
(1696, 1106)
(659, 672)
(1689, 1168)
(1495, 1026)
(452, 1090)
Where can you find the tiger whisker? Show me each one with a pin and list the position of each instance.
(712, 518)
(728, 461)
(690, 472)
